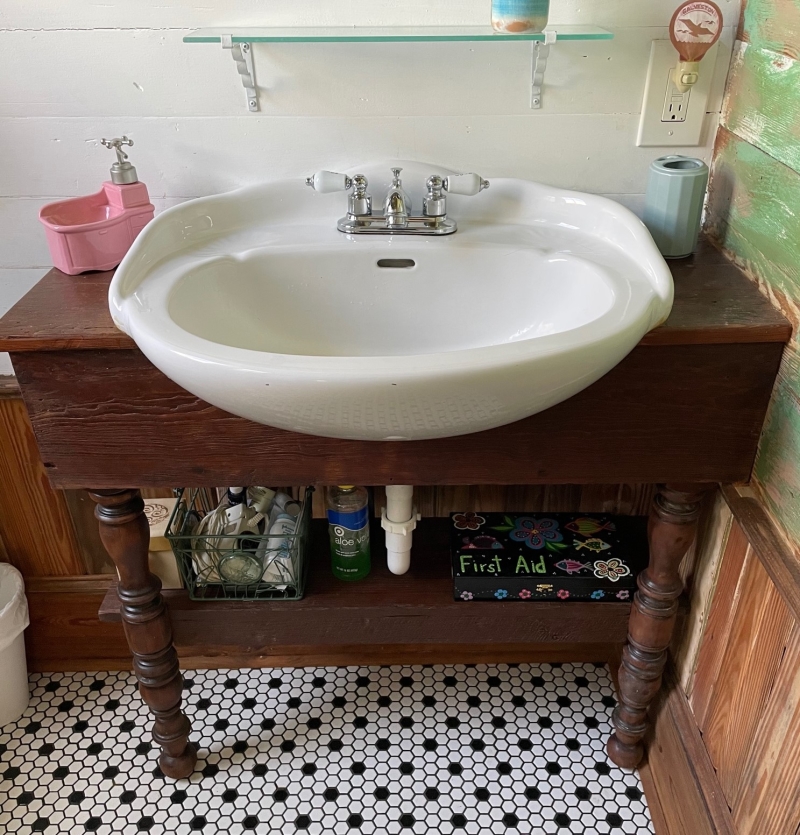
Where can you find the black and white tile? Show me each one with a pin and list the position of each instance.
(373, 750)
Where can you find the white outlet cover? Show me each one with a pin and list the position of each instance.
(652, 130)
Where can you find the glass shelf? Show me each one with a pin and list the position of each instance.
(240, 43)
(388, 34)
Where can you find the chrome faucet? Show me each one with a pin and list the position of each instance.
(397, 206)
(397, 217)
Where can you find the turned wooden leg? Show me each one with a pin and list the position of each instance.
(125, 534)
(671, 530)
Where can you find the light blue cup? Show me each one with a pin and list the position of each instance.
(673, 207)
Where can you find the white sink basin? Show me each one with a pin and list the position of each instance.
(254, 302)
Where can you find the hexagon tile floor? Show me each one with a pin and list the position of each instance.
(474, 749)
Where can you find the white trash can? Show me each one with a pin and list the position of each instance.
(14, 693)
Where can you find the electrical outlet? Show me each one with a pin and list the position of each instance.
(676, 104)
(670, 117)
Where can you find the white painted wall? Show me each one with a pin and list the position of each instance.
(73, 71)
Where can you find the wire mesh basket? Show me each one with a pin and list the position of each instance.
(225, 567)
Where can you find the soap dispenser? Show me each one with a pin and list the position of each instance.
(95, 231)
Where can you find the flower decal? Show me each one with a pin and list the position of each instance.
(468, 521)
(525, 594)
(562, 594)
(611, 569)
(501, 594)
(536, 533)
(623, 594)
(466, 595)
(598, 595)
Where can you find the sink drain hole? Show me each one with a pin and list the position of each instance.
(397, 263)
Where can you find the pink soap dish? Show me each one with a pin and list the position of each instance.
(94, 232)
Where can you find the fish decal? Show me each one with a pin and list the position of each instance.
(592, 544)
(572, 566)
(482, 542)
(586, 526)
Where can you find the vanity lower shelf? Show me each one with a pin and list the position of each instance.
(383, 610)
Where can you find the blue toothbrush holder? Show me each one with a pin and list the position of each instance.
(673, 208)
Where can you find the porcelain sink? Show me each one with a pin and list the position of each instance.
(254, 302)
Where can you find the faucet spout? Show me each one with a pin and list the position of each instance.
(397, 208)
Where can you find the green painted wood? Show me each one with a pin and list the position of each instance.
(762, 104)
(772, 24)
(777, 467)
(754, 213)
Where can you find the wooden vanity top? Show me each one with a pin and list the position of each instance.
(686, 405)
(714, 303)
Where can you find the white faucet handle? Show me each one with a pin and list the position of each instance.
(468, 184)
(326, 182)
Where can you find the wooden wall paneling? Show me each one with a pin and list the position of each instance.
(688, 795)
(701, 579)
(35, 524)
(318, 503)
(424, 498)
(157, 492)
(776, 553)
(755, 646)
(3, 552)
(626, 499)
(81, 511)
(719, 622)
(637, 499)
(490, 498)
(65, 633)
(767, 796)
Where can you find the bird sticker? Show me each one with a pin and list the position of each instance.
(697, 30)
(586, 526)
(572, 566)
(592, 544)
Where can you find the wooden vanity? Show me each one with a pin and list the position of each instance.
(684, 409)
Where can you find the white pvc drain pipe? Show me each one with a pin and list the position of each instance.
(398, 519)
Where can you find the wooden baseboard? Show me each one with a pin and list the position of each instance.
(65, 633)
(680, 782)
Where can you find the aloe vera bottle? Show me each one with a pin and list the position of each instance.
(348, 526)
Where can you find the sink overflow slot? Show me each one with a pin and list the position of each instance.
(397, 263)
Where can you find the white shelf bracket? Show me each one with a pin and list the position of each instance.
(539, 55)
(243, 58)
